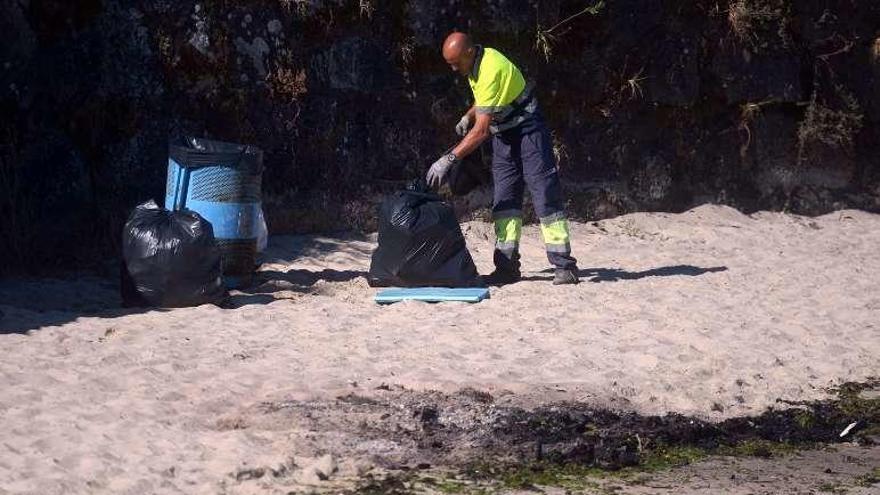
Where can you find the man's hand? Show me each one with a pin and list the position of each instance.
(475, 137)
(437, 173)
(463, 125)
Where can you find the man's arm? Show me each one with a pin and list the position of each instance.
(465, 123)
(472, 113)
(480, 132)
(477, 135)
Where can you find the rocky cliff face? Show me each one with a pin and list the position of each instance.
(654, 104)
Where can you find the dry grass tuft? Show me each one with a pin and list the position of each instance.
(546, 37)
(751, 19)
(748, 113)
(367, 8)
(302, 7)
(288, 83)
(560, 150)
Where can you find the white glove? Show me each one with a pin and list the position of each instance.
(437, 172)
(462, 127)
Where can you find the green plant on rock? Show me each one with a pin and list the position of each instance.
(832, 488)
(447, 485)
(757, 448)
(569, 476)
(805, 419)
(853, 404)
(664, 457)
(869, 479)
(835, 127)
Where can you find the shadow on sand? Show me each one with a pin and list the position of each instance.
(597, 275)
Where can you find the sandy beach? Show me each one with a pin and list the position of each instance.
(710, 313)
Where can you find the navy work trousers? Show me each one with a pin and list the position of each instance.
(525, 159)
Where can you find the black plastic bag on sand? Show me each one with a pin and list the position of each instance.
(170, 259)
(420, 244)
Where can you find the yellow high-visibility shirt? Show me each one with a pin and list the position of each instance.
(496, 83)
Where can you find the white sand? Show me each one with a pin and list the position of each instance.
(710, 313)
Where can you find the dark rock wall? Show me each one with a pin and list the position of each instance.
(654, 104)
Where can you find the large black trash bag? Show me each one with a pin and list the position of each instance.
(170, 259)
(420, 244)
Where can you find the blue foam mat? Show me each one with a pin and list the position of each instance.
(432, 294)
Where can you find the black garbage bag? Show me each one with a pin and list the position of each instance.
(420, 244)
(170, 259)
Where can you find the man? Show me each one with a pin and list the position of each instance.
(506, 109)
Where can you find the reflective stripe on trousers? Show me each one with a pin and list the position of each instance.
(557, 238)
(555, 231)
(508, 231)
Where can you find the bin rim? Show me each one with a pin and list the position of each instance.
(186, 153)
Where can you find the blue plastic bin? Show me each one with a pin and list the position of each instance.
(223, 183)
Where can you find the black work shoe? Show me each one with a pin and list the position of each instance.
(502, 277)
(565, 276)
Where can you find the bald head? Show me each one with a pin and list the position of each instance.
(459, 53)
